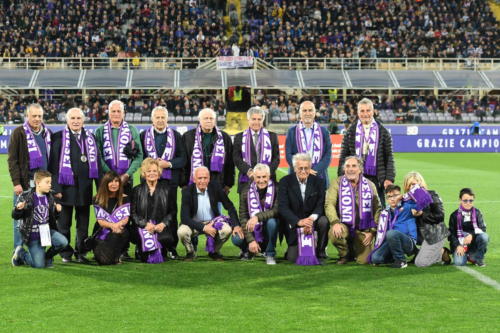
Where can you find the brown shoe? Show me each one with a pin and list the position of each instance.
(189, 257)
(342, 261)
(216, 257)
(446, 256)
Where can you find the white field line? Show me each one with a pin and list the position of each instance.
(481, 277)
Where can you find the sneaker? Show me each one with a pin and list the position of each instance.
(189, 256)
(480, 263)
(16, 256)
(270, 260)
(82, 260)
(246, 256)
(49, 263)
(399, 264)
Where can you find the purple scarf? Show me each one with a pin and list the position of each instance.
(168, 153)
(460, 230)
(116, 216)
(151, 245)
(35, 154)
(218, 224)
(315, 144)
(265, 149)
(65, 169)
(218, 153)
(420, 195)
(372, 142)
(40, 214)
(254, 206)
(115, 158)
(307, 248)
(384, 225)
(347, 204)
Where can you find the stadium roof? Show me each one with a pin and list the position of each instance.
(262, 79)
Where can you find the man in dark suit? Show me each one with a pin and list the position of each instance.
(301, 199)
(200, 214)
(255, 145)
(166, 145)
(74, 163)
(208, 146)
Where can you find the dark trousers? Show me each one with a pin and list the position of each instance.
(82, 228)
(174, 225)
(321, 227)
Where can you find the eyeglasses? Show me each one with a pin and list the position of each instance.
(394, 196)
(468, 201)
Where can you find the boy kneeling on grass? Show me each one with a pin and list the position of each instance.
(38, 212)
(396, 231)
(468, 237)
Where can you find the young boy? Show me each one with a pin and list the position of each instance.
(468, 237)
(38, 212)
(396, 231)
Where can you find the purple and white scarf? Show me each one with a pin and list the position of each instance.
(115, 158)
(89, 146)
(473, 217)
(218, 153)
(218, 224)
(315, 143)
(116, 216)
(35, 153)
(168, 153)
(40, 214)
(307, 248)
(254, 206)
(347, 204)
(420, 195)
(265, 149)
(370, 160)
(151, 245)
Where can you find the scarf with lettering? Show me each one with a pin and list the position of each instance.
(255, 206)
(385, 223)
(420, 195)
(151, 245)
(168, 153)
(218, 224)
(460, 229)
(116, 216)
(347, 204)
(264, 147)
(370, 160)
(307, 248)
(40, 214)
(115, 158)
(35, 153)
(315, 143)
(218, 153)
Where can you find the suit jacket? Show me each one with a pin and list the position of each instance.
(243, 167)
(224, 178)
(216, 194)
(163, 207)
(79, 194)
(178, 161)
(292, 208)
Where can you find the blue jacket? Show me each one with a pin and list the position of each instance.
(405, 222)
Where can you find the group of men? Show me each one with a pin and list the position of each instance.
(202, 162)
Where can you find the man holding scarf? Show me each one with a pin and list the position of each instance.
(165, 144)
(208, 146)
(352, 206)
(371, 141)
(258, 215)
(255, 145)
(74, 164)
(29, 151)
(310, 138)
(119, 145)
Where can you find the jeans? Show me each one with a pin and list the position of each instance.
(476, 251)
(36, 256)
(270, 236)
(18, 240)
(394, 247)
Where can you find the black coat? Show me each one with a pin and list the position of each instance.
(243, 167)
(431, 227)
(163, 207)
(224, 178)
(467, 227)
(79, 194)
(292, 208)
(179, 160)
(216, 194)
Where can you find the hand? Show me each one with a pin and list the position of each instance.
(308, 230)
(313, 172)
(164, 164)
(337, 230)
(21, 205)
(254, 247)
(150, 227)
(251, 223)
(18, 189)
(238, 231)
(414, 212)
(387, 182)
(250, 174)
(160, 227)
(124, 178)
(460, 250)
(307, 222)
(58, 195)
(58, 208)
(368, 238)
(468, 239)
(209, 229)
(115, 228)
(227, 189)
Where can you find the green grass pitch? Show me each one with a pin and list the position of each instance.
(234, 296)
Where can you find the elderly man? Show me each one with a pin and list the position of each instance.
(310, 138)
(208, 146)
(74, 163)
(301, 206)
(29, 151)
(352, 206)
(200, 214)
(255, 145)
(258, 216)
(119, 145)
(165, 144)
(371, 141)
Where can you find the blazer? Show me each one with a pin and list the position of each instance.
(163, 207)
(216, 194)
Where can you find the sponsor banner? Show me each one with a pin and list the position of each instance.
(336, 143)
(234, 62)
(447, 143)
(452, 130)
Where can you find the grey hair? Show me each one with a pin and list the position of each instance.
(75, 108)
(262, 167)
(158, 108)
(256, 110)
(207, 110)
(120, 103)
(33, 106)
(365, 101)
(301, 157)
(201, 167)
(302, 105)
(357, 158)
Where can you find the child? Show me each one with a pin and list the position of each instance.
(37, 211)
(468, 237)
(396, 231)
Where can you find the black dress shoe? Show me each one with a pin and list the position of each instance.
(245, 256)
(189, 257)
(342, 261)
(216, 256)
(322, 255)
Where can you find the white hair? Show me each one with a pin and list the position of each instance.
(365, 101)
(33, 106)
(120, 103)
(75, 109)
(207, 110)
(159, 108)
(301, 157)
(256, 110)
(302, 105)
(262, 167)
(202, 167)
(357, 158)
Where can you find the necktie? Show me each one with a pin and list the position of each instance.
(255, 143)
